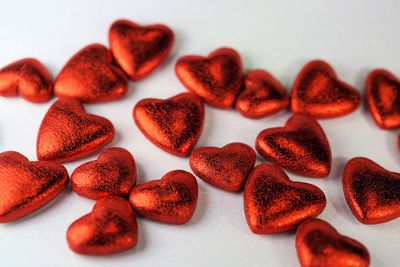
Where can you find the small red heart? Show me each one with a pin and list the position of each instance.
(67, 132)
(318, 91)
(139, 49)
(216, 78)
(382, 90)
(274, 204)
(28, 78)
(90, 76)
(372, 193)
(26, 186)
(263, 95)
(174, 124)
(319, 244)
(226, 168)
(112, 173)
(301, 147)
(110, 228)
(172, 199)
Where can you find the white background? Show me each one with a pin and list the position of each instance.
(280, 36)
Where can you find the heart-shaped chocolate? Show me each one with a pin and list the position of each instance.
(139, 49)
(301, 147)
(274, 204)
(28, 78)
(112, 173)
(26, 186)
(318, 244)
(382, 90)
(67, 132)
(318, 91)
(226, 168)
(216, 78)
(110, 228)
(372, 192)
(262, 95)
(172, 199)
(90, 76)
(174, 124)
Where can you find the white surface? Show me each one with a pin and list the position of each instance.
(354, 36)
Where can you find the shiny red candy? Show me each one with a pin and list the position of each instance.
(317, 91)
(27, 78)
(216, 78)
(139, 49)
(300, 146)
(274, 204)
(262, 95)
(226, 168)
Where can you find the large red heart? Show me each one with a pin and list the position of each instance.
(111, 227)
(173, 124)
(26, 186)
(90, 76)
(301, 147)
(226, 168)
(67, 132)
(372, 193)
(319, 244)
(139, 49)
(216, 78)
(262, 95)
(28, 78)
(274, 204)
(112, 173)
(382, 90)
(172, 199)
(318, 91)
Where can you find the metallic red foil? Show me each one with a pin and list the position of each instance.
(226, 168)
(382, 91)
(90, 76)
(318, 91)
(28, 78)
(110, 228)
(174, 124)
(301, 147)
(319, 244)
(26, 186)
(372, 192)
(112, 173)
(262, 95)
(139, 49)
(67, 132)
(274, 204)
(216, 78)
(172, 199)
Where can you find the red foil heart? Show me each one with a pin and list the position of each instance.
(174, 124)
(139, 49)
(318, 91)
(226, 168)
(274, 204)
(26, 186)
(112, 173)
(172, 199)
(110, 228)
(301, 147)
(90, 76)
(372, 193)
(67, 132)
(263, 95)
(319, 244)
(382, 90)
(28, 78)
(216, 78)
